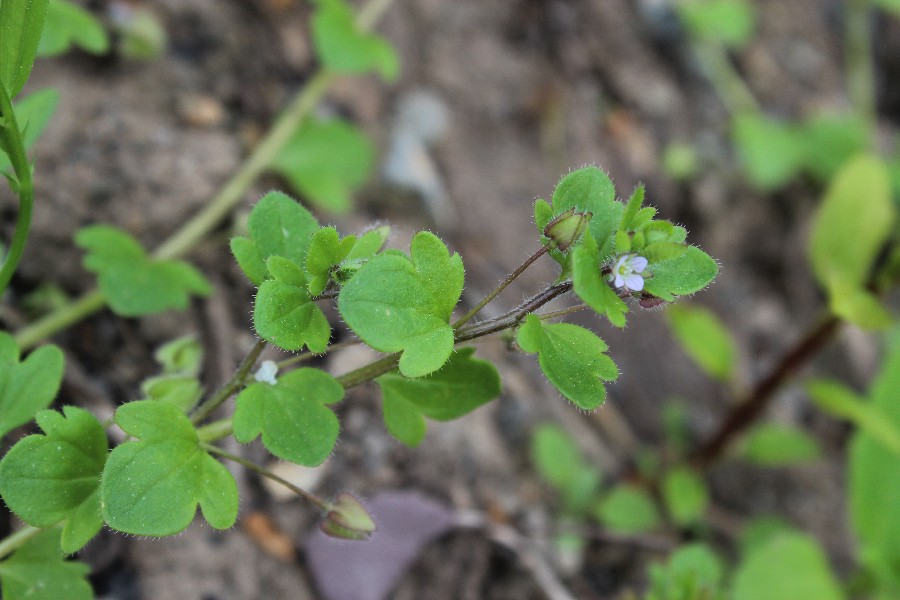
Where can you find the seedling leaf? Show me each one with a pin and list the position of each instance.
(291, 415)
(153, 486)
(133, 283)
(459, 387)
(572, 357)
(27, 386)
(403, 304)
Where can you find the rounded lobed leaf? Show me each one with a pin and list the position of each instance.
(403, 304)
(153, 486)
(572, 357)
(291, 415)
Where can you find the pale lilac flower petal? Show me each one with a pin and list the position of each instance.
(638, 264)
(634, 282)
(266, 373)
(626, 272)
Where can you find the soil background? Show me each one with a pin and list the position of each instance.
(531, 89)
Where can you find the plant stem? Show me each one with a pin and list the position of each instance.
(749, 409)
(729, 85)
(233, 385)
(322, 504)
(16, 540)
(30, 335)
(201, 224)
(515, 315)
(389, 363)
(858, 61)
(369, 371)
(215, 430)
(15, 149)
(503, 285)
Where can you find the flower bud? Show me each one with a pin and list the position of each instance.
(347, 519)
(566, 229)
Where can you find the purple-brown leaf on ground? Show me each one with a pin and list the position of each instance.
(369, 570)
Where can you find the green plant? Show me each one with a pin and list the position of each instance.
(66, 483)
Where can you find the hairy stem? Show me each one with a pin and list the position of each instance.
(751, 407)
(16, 540)
(510, 319)
(513, 317)
(74, 312)
(233, 385)
(215, 430)
(503, 285)
(15, 149)
(321, 504)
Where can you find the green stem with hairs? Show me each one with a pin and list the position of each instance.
(16, 540)
(322, 504)
(14, 146)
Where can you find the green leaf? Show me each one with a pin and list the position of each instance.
(284, 314)
(396, 303)
(874, 473)
(590, 190)
(590, 286)
(892, 6)
(153, 486)
(141, 36)
(689, 273)
(291, 415)
(559, 461)
(325, 161)
(183, 392)
(760, 531)
(572, 357)
(789, 565)
(728, 22)
(693, 572)
(686, 496)
(840, 401)
(772, 445)
(278, 226)
(628, 509)
(344, 48)
(853, 222)
(70, 25)
(772, 152)
(21, 23)
(829, 141)
(182, 356)
(46, 479)
(860, 307)
(555, 455)
(133, 283)
(368, 244)
(458, 388)
(28, 386)
(704, 338)
(38, 571)
(32, 114)
(326, 251)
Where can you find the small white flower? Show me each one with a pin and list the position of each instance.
(266, 373)
(626, 273)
